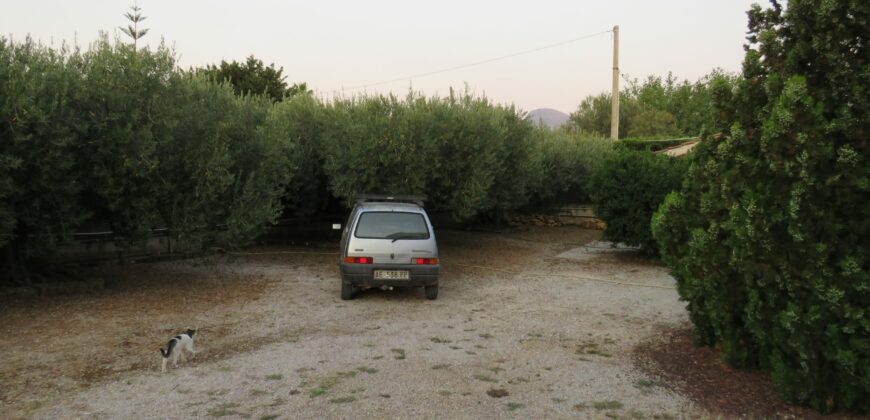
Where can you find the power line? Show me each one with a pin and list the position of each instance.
(476, 63)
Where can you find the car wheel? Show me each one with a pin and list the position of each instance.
(431, 292)
(346, 291)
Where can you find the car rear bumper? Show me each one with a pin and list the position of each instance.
(363, 274)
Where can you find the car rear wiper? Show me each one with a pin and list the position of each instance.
(404, 235)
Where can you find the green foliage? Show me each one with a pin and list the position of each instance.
(372, 144)
(254, 78)
(300, 121)
(120, 136)
(124, 137)
(224, 164)
(628, 188)
(132, 30)
(262, 153)
(593, 114)
(517, 170)
(125, 120)
(38, 182)
(467, 138)
(653, 122)
(467, 155)
(194, 166)
(567, 161)
(657, 107)
(769, 238)
(470, 157)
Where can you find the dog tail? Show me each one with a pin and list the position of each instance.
(169, 348)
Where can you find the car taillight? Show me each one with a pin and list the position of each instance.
(424, 261)
(358, 260)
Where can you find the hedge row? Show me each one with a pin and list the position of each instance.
(123, 136)
(470, 157)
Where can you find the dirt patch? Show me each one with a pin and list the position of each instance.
(274, 335)
(699, 373)
(65, 343)
(497, 393)
(565, 236)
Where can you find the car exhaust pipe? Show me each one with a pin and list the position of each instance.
(385, 288)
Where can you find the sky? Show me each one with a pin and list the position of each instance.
(334, 46)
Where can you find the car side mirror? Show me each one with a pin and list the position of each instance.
(336, 226)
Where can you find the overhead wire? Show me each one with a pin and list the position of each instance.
(476, 63)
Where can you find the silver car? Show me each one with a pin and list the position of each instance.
(388, 241)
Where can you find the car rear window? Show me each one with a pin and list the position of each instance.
(391, 225)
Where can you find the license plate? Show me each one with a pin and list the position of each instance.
(392, 275)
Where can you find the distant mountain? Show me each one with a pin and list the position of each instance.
(548, 117)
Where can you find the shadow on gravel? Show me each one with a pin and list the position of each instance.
(400, 294)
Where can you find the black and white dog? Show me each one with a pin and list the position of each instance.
(176, 347)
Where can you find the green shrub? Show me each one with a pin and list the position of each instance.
(192, 158)
(653, 122)
(263, 157)
(301, 120)
(516, 170)
(567, 161)
(124, 118)
(372, 144)
(468, 155)
(125, 137)
(769, 238)
(627, 189)
(656, 107)
(39, 186)
(222, 167)
(462, 128)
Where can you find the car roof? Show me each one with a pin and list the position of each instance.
(389, 206)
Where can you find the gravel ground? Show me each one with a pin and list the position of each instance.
(543, 333)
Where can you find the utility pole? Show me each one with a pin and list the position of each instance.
(614, 107)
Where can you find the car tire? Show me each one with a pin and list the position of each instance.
(346, 291)
(431, 292)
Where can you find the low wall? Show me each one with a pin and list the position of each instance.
(566, 214)
(96, 247)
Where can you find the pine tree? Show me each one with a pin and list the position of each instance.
(132, 30)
